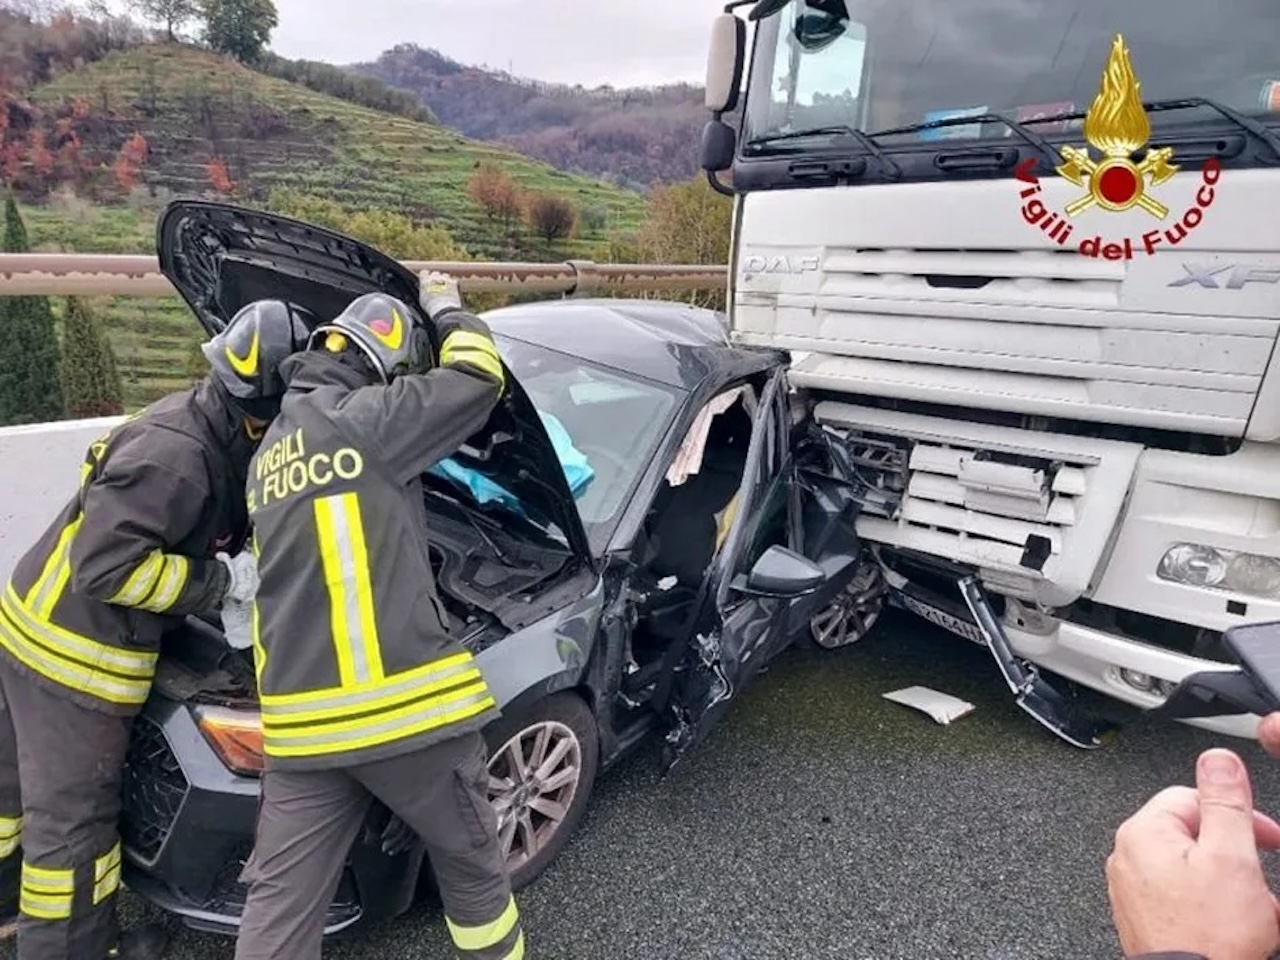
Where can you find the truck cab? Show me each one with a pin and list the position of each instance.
(1026, 263)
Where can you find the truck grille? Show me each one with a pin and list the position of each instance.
(1027, 510)
(154, 788)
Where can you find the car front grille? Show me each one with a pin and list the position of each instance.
(229, 895)
(154, 788)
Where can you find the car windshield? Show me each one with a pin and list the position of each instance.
(874, 65)
(604, 424)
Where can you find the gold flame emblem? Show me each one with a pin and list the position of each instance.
(1116, 126)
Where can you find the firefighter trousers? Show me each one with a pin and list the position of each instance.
(308, 821)
(61, 768)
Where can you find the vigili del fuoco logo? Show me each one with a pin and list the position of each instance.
(1117, 127)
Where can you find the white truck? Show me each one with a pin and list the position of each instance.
(1026, 259)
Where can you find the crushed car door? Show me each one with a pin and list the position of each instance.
(753, 587)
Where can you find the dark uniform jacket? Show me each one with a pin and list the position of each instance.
(131, 552)
(354, 662)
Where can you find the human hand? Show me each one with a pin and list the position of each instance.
(243, 570)
(1185, 874)
(1269, 733)
(437, 294)
(237, 623)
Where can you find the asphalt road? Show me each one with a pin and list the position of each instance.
(822, 821)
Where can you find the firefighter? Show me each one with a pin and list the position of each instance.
(155, 530)
(364, 695)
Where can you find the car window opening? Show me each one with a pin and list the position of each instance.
(685, 529)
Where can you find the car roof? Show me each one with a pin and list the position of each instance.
(673, 343)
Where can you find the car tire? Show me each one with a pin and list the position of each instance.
(567, 720)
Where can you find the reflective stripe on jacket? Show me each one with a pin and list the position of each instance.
(130, 552)
(354, 661)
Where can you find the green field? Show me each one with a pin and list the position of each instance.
(192, 105)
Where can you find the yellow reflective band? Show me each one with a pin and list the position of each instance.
(486, 934)
(46, 892)
(172, 581)
(44, 593)
(346, 574)
(517, 952)
(395, 691)
(106, 874)
(141, 582)
(381, 729)
(10, 836)
(54, 665)
(90, 653)
(464, 346)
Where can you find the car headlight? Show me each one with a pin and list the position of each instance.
(1196, 565)
(235, 736)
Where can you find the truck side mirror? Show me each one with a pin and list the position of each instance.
(719, 140)
(725, 63)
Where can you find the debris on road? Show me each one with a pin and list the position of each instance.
(941, 706)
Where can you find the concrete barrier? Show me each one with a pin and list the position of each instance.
(39, 469)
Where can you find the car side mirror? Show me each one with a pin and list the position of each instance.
(781, 573)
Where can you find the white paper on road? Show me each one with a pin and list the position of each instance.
(941, 706)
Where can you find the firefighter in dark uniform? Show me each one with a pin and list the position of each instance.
(155, 530)
(363, 693)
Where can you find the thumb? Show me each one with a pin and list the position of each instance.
(1226, 803)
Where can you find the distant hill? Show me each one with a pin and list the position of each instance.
(633, 137)
(193, 106)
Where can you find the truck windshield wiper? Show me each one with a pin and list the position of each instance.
(1037, 141)
(835, 130)
(1241, 120)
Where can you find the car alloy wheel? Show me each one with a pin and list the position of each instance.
(533, 780)
(851, 615)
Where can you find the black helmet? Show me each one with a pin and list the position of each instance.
(246, 356)
(384, 331)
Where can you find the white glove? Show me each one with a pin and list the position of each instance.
(237, 623)
(243, 568)
(438, 292)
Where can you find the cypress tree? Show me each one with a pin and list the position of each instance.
(90, 381)
(29, 367)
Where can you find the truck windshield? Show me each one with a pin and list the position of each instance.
(874, 65)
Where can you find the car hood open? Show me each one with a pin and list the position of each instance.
(221, 257)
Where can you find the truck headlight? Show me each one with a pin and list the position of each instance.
(1196, 565)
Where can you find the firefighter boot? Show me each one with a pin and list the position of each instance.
(147, 942)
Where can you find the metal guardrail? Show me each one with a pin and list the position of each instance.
(63, 274)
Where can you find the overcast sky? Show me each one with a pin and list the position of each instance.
(569, 41)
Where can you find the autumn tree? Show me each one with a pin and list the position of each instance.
(90, 379)
(29, 388)
(239, 28)
(497, 194)
(172, 14)
(219, 176)
(127, 167)
(688, 223)
(552, 217)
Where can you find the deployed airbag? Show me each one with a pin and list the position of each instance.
(577, 470)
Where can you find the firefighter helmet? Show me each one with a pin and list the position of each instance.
(383, 330)
(246, 356)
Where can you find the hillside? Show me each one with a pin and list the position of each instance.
(192, 106)
(630, 137)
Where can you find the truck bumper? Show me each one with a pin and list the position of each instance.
(1095, 659)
